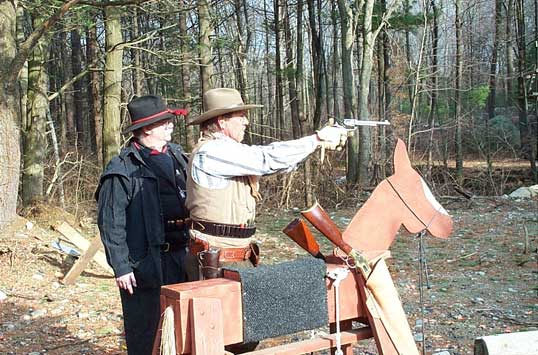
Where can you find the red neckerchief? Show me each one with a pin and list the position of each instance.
(139, 146)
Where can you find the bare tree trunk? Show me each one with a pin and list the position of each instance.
(263, 117)
(206, 56)
(299, 73)
(490, 107)
(55, 85)
(190, 138)
(242, 49)
(266, 131)
(292, 88)
(303, 121)
(220, 64)
(137, 74)
(348, 36)
(385, 143)
(112, 81)
(536, 82)
(9, 119)
(365, 136)
(324, 77)
(457, 95)
(527, 148)
(347, 39)
(509, 50)
(23, 75)
(279, 121)
(334, 21)
(11, 62)
(433, 95)
(34, 134)
(410, 84)
(382, 149)
(82, 133)
(95, 92)
(317, 61)
(243, 34)
(417, 82)
(57, 165)
(69, 131)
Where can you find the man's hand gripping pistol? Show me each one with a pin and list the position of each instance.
(334, 135)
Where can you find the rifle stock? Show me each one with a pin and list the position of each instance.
(301, 234)
(321, 220)
(317, 216)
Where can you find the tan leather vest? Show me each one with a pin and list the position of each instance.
(233, 204)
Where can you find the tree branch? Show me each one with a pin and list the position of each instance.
(113, 3)
(28, 45)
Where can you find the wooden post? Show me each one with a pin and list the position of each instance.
(82, 262)
(206, 326)
(347, 349)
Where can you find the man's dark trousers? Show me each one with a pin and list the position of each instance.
(142, 309)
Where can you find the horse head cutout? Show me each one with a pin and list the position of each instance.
(401, 199)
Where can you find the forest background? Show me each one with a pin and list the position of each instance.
(458, 80)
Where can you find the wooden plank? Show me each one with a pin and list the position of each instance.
(179, 296)
(316, 344)
(80, 242)
(351, 305)
(82, 262)
(521, 343)
(383, 342)
(229, 292)
(206, 326)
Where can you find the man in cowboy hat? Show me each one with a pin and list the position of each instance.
(222, 186)
(143, 219)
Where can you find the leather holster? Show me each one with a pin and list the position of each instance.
(197, 245)
(254, 256)
(209, 263)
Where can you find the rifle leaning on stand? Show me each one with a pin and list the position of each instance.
(301, 234)
(317, 216)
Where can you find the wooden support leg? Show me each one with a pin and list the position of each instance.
(82, 262)
(206, 326)
(347, 349)
(383, 342)
(80, 242)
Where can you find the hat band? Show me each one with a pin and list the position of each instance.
(178, 112)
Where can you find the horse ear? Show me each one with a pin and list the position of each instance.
(401, 159)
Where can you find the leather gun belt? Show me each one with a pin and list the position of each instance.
(176, 224)
(234, 254)
(223, 230)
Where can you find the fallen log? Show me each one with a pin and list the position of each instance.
(521, 343)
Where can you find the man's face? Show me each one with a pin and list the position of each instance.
(234, 125)
(160, 131)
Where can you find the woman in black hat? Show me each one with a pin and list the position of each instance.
(142, 217)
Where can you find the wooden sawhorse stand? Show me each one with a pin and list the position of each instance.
(208, 316)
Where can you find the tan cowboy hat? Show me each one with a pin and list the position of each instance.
(219, 102)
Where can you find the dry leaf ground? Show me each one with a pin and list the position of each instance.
(483, 280)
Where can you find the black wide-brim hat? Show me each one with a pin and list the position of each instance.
(146, 110)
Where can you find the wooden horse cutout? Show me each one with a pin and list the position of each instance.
(401, 199)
